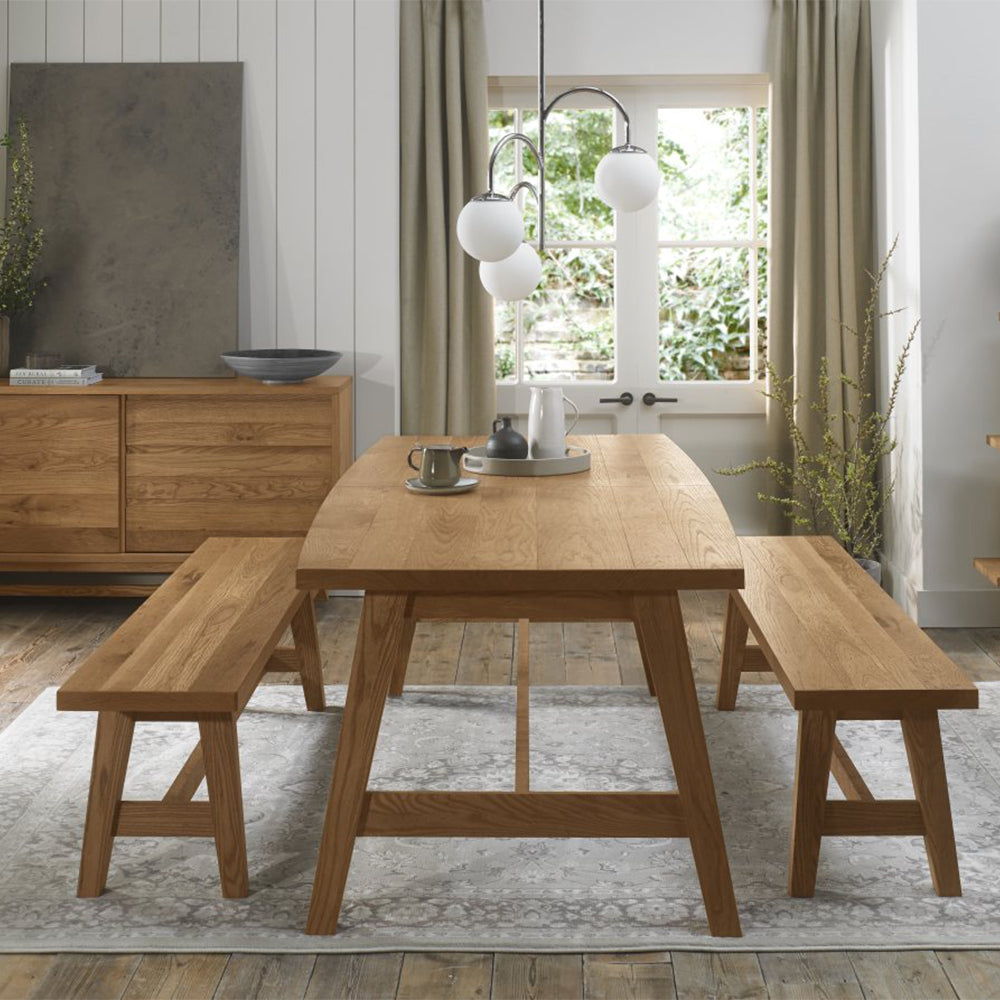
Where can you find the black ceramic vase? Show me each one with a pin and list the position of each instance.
(505, 442)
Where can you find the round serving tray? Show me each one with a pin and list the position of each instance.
(576, 459)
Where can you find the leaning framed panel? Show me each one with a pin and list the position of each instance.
(616, 542)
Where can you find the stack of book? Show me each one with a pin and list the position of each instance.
(63, 375)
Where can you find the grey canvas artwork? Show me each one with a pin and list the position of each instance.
(137, 185)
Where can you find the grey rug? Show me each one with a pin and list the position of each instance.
(520, 895)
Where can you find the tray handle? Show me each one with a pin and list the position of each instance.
(472, 463)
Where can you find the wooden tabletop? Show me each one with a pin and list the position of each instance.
(643, 518)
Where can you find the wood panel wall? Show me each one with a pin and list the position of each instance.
(317, 73)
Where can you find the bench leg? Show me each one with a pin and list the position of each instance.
(307, 646)
(112, 746)
(812, 776)
(922, 736)
(733, 645)
(405, 645)
(189, 778)
(222, 771)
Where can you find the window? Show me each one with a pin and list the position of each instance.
(566, 330)
(679, 287)
(712, 241)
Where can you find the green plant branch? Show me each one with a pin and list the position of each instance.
(835, 488)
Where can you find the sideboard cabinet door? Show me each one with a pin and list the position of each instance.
(59, 473)
(198, 466)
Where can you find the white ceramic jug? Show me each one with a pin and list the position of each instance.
(547, 422)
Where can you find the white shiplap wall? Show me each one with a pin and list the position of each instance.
(319, 220)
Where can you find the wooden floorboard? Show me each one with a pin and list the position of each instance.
(41, 642)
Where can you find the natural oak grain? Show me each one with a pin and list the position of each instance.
(59, 474)
(375, 661)
(843, 649)
(201, 642)
(825, 632)
(610, 544)
(51, 628)
(194, 651)
(93, 476)
(661, 527)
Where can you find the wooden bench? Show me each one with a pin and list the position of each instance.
(194, 651)
(843, 649)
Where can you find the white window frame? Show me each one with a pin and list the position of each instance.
(637, 240)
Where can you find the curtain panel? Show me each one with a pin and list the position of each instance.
(822, 213)
(446, 316)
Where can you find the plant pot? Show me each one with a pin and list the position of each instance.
(872, 567)
(4, 346)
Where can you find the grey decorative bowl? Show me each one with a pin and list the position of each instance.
(281, 366)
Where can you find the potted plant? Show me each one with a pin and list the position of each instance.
(834, 487)
(20, 240)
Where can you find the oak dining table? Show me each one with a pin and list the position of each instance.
(614, 543)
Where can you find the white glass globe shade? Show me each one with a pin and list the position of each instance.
(514, 278)
(490, 230)
(627, 181)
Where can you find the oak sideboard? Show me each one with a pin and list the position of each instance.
(131, 475)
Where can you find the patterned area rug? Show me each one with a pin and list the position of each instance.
(521, 895)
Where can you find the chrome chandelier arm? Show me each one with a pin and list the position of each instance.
(594, 90)
(512, 137)
(525, 186)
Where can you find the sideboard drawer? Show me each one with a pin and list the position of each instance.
(59, 465)
(203, 466)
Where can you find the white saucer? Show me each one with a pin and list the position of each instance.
(462, 486)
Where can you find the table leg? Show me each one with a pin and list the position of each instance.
(405, 645)
(376, 657)
(733, 645)
(659, 624)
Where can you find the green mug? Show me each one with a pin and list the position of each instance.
(440, 464)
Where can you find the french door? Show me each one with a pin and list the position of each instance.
(630, 391)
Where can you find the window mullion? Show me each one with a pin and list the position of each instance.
(752, 331)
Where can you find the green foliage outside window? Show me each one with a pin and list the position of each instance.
(704, 293)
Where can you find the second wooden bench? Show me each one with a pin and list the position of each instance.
(843, 649)
(194, 651)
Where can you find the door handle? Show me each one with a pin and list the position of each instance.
(625, 399)
(650, 398)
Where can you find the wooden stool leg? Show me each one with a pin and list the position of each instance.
(812, 776)
(376, 658)
(112, 746)
(733, 645)
(307, 646)
(922, 736)
(405, 645)
(659, 625)
(222, 772)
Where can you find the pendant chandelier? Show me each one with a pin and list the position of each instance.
(490, 226)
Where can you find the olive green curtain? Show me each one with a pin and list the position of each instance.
(822, 218)
(446, 317)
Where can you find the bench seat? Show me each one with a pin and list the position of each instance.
(843, 649)
(194, 651)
